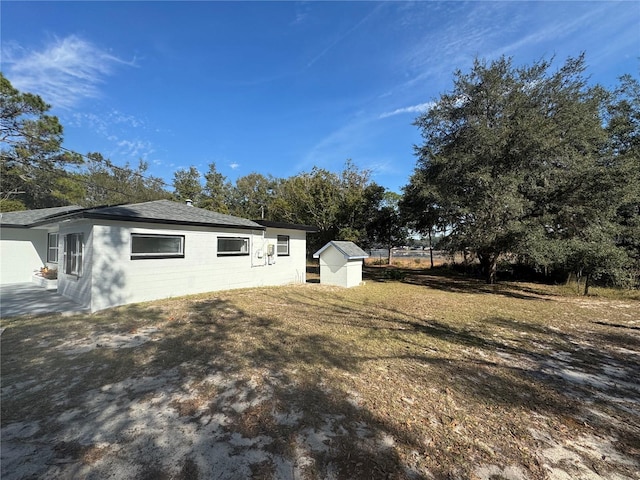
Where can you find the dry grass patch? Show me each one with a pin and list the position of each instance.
(432, 377)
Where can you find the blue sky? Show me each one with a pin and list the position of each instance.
(280, 87)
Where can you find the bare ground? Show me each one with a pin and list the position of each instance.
(432, 377)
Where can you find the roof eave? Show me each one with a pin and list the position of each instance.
(287, 226)
(14, 225)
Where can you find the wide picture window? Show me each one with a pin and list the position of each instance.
(233, 246)
(73, 254)
(156, 246)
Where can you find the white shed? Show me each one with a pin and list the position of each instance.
(341, 263)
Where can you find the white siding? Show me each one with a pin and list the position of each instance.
(354, 273)
(285, 269)
(332, 268)
(22, 251)
(335, 269)
(118, 280)
(77, 288)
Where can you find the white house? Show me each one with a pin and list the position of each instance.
(110, 256)
(341, 263)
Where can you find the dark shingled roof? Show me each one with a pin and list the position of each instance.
(158, 211)
(166, 211)
(26, 218)
(349, 249)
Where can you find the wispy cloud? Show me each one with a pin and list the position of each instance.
(527, 32)
(234, 166)
(63, 73)
(559, 29)
(105, 122)
(339, 145)
(419, 108)
(344, 35)
(301, 13)
(124, 133)
(380, 167)
(140, 149)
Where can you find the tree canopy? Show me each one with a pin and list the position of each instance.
(33, 165)
(104, 183)
(519, 160)
(341, 205)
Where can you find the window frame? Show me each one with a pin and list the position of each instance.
(156, 255)
(53, 249)
(220, 253)
(73, 248)
(287, 239)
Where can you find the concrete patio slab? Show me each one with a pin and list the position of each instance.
(29, 299)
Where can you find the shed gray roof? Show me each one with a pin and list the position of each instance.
(157, 211)
(26, 218)
(349, 250)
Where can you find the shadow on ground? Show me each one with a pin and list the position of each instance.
(448, 281)
(312, 383)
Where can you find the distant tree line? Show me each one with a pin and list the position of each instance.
(347, 205)
(38, 172)
(515, 161)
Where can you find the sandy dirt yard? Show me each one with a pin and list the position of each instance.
(429, 378)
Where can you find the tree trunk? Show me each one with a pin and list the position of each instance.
(430, 249)
(489, 264)
(493, 267)
(570, 278)
(389, 259)
(587, 278)
(578, 277)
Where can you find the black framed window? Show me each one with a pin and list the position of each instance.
(73, 250)
(233, 246)
(145, 245)
(52, 248)
(283, 245)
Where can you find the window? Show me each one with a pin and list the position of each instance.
(233, 246)
(52, 248)
(156, 246)
(73, 254)
(283, 245)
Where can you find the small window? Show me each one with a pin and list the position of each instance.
(52, 248)
(283, 245)
(156, 246)
(233, 246)
(73, 254)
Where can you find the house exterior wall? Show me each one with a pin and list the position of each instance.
(118, 279)
(287, 269)
(77, 288)
(22, 251)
